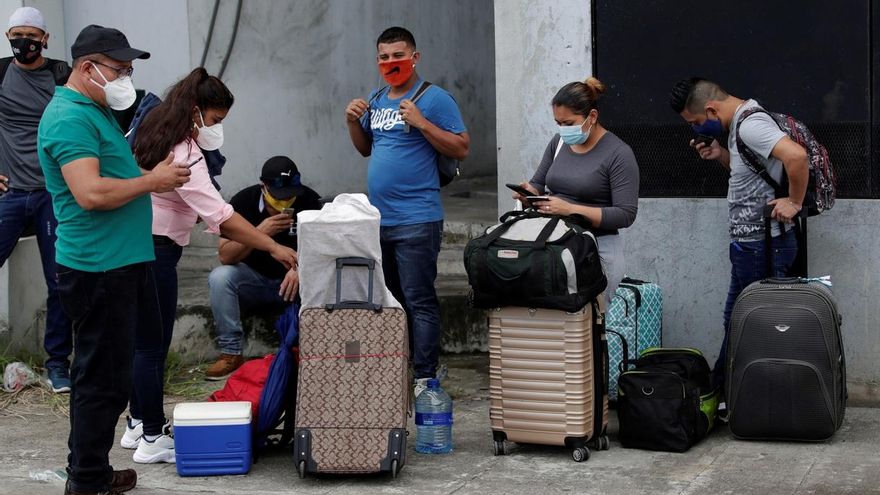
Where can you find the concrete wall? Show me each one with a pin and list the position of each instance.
(158, 26)
(539, 46)
(296, 65)
(680, 243)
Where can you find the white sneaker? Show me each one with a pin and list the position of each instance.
(133, 434)
(159, 450)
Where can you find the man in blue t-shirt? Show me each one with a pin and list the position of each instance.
(403, 142)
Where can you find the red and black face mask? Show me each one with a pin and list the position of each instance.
(397, 72)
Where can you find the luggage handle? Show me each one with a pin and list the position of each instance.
(626, 361)
(783, 280)
(507, 221)
(351, 262)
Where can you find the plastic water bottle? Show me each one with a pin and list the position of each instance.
(433, 420)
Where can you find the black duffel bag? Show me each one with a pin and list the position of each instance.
(534, 260)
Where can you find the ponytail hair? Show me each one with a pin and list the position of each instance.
(580, 96)
(171, 121)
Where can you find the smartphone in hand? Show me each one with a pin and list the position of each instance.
(292, 214)
(520, 189)
(702, 138)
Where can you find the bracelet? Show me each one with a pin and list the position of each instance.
(798, 208)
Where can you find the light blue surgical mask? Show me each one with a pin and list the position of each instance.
(573, 134)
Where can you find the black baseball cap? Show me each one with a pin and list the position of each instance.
(106, 41)
(282, 178)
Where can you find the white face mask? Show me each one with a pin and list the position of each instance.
(120, 93)
(210, 138)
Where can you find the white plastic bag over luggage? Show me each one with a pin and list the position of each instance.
(347, 227)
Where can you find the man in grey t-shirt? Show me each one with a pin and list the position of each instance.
(27, 84)
(711, 111)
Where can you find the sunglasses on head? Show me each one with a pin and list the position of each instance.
(283, 181)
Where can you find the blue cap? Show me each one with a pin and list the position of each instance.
(433, 383)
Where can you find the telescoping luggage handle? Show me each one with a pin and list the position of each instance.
(340, 304)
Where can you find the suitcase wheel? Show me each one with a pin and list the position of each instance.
(302, 469)
(394, 469)
(501, 447)
(580, 454)
(603, 443)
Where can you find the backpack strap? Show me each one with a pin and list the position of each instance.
(418, 94)
(558, 149)
(753, 161)
(4, 66)
(60, 70)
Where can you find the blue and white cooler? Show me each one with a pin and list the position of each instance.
(212, 438)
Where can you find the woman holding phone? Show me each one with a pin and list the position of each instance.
(187, 122)
(589, 172)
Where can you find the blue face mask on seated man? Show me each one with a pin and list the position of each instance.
(572, 134)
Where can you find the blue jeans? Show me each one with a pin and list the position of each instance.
(748, 265)
(151, 348)
(237, 288)
(18, 210)
(109, 311)
(409, 262)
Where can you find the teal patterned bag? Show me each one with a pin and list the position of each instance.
(636, 312)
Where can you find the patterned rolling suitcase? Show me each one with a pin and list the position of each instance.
(786, 371)
(548, 378)
(636, 312)
(354, 385)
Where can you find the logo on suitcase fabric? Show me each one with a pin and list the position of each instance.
(508, 253)
(782, 328)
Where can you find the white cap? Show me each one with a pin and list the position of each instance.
(27, 16)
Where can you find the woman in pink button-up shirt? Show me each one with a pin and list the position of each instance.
(188, 121)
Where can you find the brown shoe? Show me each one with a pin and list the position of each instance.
(225, 365)
(123, 481)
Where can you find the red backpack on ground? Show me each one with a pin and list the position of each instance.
(246, 384)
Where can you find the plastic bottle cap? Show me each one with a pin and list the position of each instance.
(433, 383)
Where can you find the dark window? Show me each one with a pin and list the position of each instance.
(812, 59)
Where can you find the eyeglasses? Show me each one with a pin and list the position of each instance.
(120, 71)
(282, 181)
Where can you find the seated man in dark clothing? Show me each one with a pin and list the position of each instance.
(249, 278)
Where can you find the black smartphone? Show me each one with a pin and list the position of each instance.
(520, 189)
(702, 138)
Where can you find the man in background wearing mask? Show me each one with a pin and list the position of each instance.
(105, 246)
(712, 112)
(250, 278)
(27, 83)
(403, 142)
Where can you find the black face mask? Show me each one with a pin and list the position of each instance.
(26, 50)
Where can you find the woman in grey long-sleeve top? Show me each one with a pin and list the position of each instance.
(588, 171)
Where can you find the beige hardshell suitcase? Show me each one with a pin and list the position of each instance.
(548, 378)
(354, 386)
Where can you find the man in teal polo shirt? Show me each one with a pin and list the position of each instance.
(104, 247)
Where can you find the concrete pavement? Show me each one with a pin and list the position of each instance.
(848, 464)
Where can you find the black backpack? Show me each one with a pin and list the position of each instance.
(667, 401)
(449, 168)
(60, 70)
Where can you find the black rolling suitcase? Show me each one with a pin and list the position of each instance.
(786, 371)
